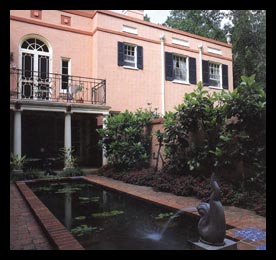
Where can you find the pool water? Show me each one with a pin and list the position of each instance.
(103, 219)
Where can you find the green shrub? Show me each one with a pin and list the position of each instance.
(224, 132)
(126, 141)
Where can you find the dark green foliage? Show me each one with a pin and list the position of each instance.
(249, 44)
(248, 29)
(126, 141)
(224, 132)
(70, 172)
(243, 137)
(202, 22)
(195, 186)
(146, 18)
(192, 131)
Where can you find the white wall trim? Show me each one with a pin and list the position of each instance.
(213, 50)
(180, 42)
(129, 29)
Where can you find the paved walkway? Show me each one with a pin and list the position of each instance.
(25, 233)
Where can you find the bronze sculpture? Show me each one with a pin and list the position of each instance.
(211, 225)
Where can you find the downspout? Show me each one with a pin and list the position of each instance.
(200, 62)
(162, 38)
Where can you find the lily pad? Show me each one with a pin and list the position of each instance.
(164, 215)
(82, 230)
(68, 190)
(87, 200)
(43, 188)
(107, 214)
(80, 217)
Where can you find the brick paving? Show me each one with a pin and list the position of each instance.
(25, 232)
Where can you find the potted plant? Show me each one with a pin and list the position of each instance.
(17, 163)
(74, 90)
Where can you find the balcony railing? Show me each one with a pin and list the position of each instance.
(33, 85)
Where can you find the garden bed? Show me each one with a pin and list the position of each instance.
(194, 186)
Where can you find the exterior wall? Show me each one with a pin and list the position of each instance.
(132, 89)
(75, 46)
(91, 44)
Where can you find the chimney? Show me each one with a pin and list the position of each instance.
(139, 14)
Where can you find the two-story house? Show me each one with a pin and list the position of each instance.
(71, 68)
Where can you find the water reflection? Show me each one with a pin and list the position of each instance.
(68, 208)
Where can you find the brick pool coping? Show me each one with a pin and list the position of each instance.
(59, 236)
(64, 240)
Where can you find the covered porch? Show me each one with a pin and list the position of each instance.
(40, 129)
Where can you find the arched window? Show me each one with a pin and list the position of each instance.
(35, 65)
(34, 44)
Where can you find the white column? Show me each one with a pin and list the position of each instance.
(162, 38)
(104, 126)
(17, 133)
(200, 62)
(67, 132)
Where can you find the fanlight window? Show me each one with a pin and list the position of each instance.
(34, 44)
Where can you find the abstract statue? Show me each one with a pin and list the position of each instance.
(211, 226)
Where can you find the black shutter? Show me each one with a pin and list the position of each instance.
(225, 76)
(140, 57)
(169, 65)
(192, 70)
(205, 73)
(120, 54)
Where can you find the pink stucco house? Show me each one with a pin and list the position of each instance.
(71, 68)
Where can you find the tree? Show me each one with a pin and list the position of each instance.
(146, 18)
(249, 44)
(248, 29)
(202, 22)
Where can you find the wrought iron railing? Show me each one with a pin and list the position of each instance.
(33, 85)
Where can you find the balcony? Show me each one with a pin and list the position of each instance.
(33, 85)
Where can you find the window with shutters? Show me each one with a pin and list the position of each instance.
(180, 68)
(215, 78)
(130, 55)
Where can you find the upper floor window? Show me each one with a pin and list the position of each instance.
(179, 68)
(34, 44)
(65, 71)
(215, 74)
(130, 55)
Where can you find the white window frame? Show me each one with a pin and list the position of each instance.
(186, 81)
(220, 75)
(20, 50)
(69, 73)
(36, 54)
(135, 56)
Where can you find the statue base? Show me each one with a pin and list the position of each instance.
(228, 245)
